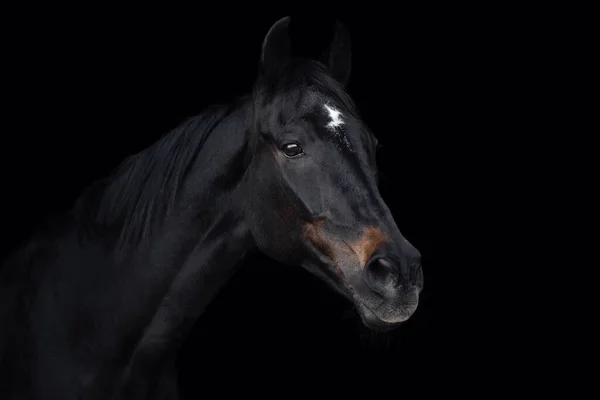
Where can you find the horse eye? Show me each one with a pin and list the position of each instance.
(292, 150)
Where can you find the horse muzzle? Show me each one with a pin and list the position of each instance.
(391, 313)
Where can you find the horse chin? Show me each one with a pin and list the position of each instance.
(372, 321)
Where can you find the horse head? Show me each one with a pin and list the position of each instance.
(313, 183)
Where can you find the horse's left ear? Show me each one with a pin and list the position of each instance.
(338, 57)
(276, 50)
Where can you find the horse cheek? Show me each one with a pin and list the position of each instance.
(272, 214)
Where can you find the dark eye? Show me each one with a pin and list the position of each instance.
(292, 150)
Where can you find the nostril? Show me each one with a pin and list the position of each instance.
(381, 272)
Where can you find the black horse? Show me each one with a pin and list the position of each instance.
(97, 304)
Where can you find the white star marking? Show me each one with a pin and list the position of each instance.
(335, 124)
(335, 116)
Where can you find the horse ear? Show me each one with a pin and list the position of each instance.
(338, 57)
(276, 49)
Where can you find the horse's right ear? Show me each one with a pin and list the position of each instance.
(276, 50)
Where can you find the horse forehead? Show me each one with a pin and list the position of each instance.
(320, 102)
(301, 103)
(334, 120)
(327, 114)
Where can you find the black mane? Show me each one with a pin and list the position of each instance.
(143, 189)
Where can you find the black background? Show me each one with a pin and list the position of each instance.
(83, 88)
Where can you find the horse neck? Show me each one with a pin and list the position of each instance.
(201, 244)
(195, 249)
(207, 234)
(175, 210)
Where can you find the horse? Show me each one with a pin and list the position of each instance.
(97, 303)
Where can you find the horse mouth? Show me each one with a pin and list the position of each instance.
(372, 321)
